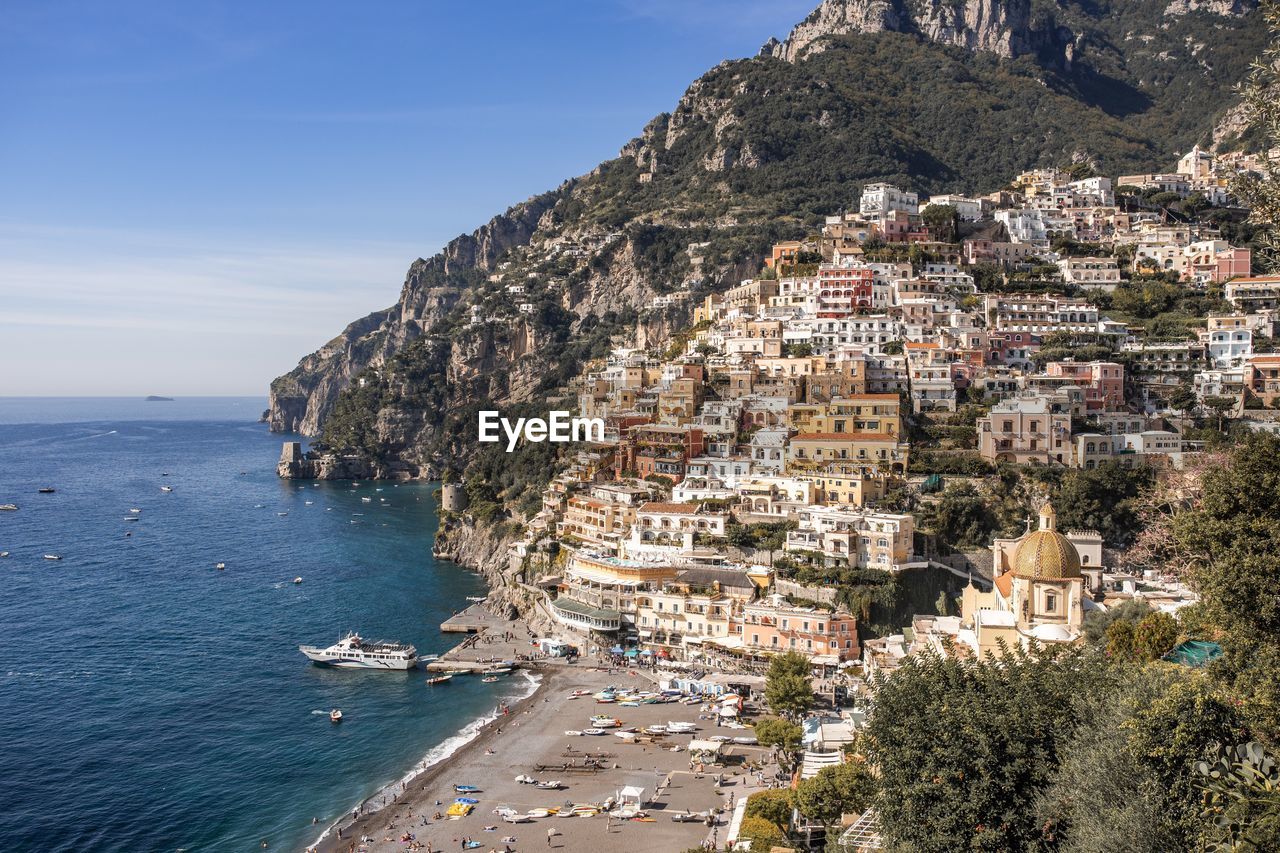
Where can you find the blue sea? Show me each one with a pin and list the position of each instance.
(151, 702)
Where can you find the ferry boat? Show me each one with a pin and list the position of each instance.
(354, 652)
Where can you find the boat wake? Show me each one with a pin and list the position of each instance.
(433, 757)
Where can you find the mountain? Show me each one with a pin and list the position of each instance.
(938, 95)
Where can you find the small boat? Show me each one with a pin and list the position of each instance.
(52, 557)
(489, 679)
(552, 785)
(308, 503)
(535, 813)
(466, 789)
(498, 670)
(335, 716)
(439, 679)
(134, 510)
(428, 658)
(219, 566)
(460, 809)
(471, 801)
(366, 500)
(282, 514)
(4, 553)
(130, 518)
(297, 580)
(46, 490)
(593, 731)
(8, 507)
(457, 671)
(517, 818)
(572, 733)
(166, 488)
(522, 779)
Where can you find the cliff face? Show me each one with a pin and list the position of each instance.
(301, 399)
(939, 95)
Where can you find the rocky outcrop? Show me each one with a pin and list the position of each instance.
(484, 547)
(1003, 27)
(301, 399)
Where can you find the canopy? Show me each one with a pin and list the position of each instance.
(631, 653)
(698, 745)
(616, 650)
(645, 652)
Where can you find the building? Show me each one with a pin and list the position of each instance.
(1037, 597)
(1254, 293)
(1102, 273)
(1033, 430)
(882, 199)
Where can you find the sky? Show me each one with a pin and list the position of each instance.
(193, 196)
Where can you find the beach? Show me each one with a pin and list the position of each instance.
(529, 739)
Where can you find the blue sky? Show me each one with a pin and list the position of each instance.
(195, 195)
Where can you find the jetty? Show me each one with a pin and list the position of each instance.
(474, 620)
(491, 642)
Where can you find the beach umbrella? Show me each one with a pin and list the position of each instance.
(616, 650)
(631, 653)
(646, 652)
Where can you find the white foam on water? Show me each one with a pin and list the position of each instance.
(434, 756)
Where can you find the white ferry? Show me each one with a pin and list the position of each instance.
(353, 652)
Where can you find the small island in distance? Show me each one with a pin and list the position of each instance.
(152, 398)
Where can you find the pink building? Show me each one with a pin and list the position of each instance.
(1102, 381)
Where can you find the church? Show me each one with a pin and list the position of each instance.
(1041, 589)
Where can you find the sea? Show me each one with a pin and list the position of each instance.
(150, 701)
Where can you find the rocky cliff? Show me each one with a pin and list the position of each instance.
(934, 94)
(1005, 28)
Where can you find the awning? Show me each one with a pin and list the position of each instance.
(616, 650)
(631, 653)
(645, 652)
(712, 746)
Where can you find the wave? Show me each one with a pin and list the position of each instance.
(433, 757)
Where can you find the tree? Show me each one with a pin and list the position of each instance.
(761, 833)
(963, 747)
(787, 688)
(962, 517)
(1097, 622)
(773, 805)
(1183, 399)
(1104, 499)
(942, 220)
(835, 791)
(784, 736)
(1141, 737)
(1155, 636)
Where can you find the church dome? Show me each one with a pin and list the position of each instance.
(1046, 554)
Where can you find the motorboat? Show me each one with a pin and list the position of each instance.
(354, 652)
(335, 716)
(131, 518)
(46, 490)
(439, 679)
(219, 566)
(428, 658)
(593, 731)
(552, 785)
(490, 679)
(282, 514)
(466, 789)
(602, 722)
(297, 580)
(4, 553)
(166, 488)
(52, 557)
(656, 730)
(8, 507)
(134, 510)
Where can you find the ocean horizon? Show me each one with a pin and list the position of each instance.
(161, 703)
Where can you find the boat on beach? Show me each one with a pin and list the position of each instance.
(354, 652)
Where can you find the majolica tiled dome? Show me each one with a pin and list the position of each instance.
(1046, 554)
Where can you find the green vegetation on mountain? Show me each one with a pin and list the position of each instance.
(759, 150)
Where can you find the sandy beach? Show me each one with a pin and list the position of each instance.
(533, 734)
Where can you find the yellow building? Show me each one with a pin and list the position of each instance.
(1038, 599)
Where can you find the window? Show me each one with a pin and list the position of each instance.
(1050, 602)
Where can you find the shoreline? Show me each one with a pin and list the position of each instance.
(482, 730)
